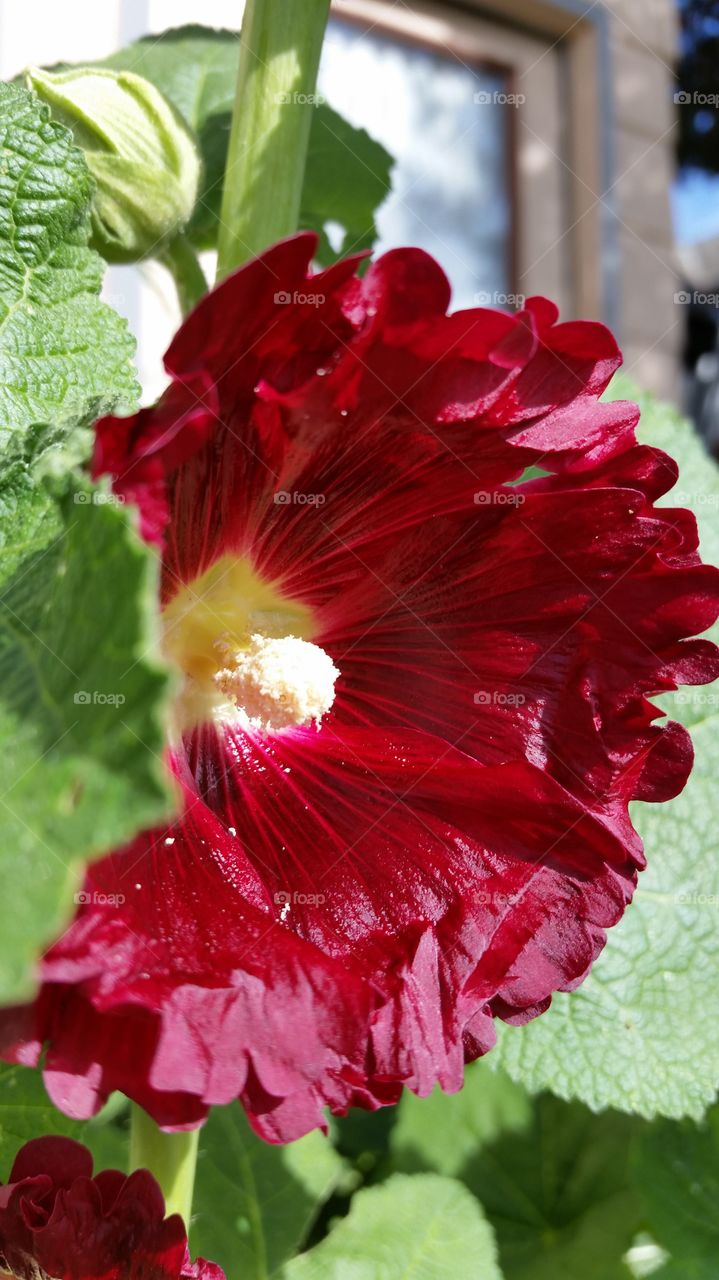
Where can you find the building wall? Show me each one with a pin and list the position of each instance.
(643, 44)
(634, 44)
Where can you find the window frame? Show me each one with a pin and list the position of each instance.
(499, 35)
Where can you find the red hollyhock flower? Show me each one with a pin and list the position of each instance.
(57, 1222)
(414, 707)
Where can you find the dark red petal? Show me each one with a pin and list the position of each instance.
(513, 625)
(56, 1220)
(599, 430)
(61, 1159)
(226, 321)
(356, 984)
(200, 1270)
(404, 286)
(141, 452)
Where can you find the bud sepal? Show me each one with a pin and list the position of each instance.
(140, 152)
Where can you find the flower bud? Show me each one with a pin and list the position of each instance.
(141, 154)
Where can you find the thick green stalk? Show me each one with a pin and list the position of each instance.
(280, 47)
(171, 1157)
(184, 266)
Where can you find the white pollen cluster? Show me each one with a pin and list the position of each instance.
(277, 684)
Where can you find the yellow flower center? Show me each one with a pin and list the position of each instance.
(245, 652)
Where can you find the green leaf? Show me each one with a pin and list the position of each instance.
(64, 355)
(81, 732)
(254, 1202)
(677, 1169)
(418, 1228)
(444, 1132)
(346, 180)
(363, 1137)
(26, 1112)
(642, 1033)
(552, 1177)
(348, 173)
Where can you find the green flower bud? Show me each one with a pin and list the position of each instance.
(141, 154)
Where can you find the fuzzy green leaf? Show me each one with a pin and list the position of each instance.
(677, 1169)
(552, 1178)
(81, 690)
(64, 354)
(26, 1112)
(254, 1202)
(420, 1228)
(346, 180)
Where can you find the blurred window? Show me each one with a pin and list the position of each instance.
(448, 126)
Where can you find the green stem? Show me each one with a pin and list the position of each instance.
(171, 1157)
(280, 47)
(184, 266)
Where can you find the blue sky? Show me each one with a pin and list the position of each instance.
(695, 206)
